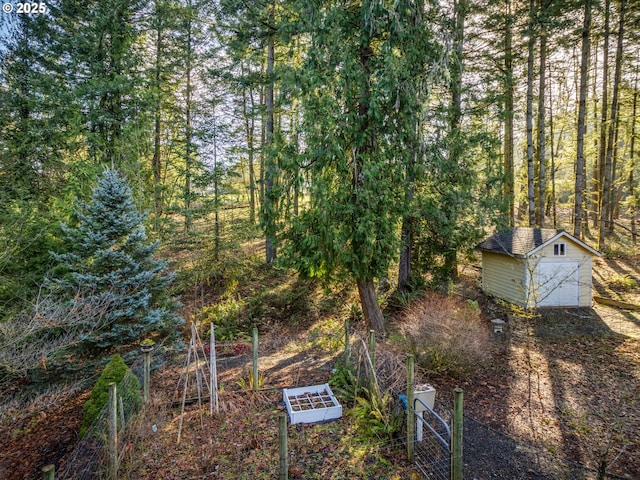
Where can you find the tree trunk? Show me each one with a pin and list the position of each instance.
(156, 162)
(552, 207)
(613, 195)
(450, 263)
(296, 143)
(406, 237)
(216, 191)
(541, 154)
(529, 116)
(632, 167)
(188, 160)
(606, 184)
(269, 174)
(249, 127)
(370, 306)
(595, 175)
(508, 116)
(263, 141)
(578, 210)
(603, 127)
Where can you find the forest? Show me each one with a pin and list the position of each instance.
(365, 143)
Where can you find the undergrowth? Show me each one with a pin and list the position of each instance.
(375, 413)
(445, 334)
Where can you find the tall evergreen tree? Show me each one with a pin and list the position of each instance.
(110, 262)
(578, 211)
(359, 131)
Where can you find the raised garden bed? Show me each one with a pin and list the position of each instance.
(311, 404)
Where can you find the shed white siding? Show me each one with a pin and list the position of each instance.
(575, 258)
(504, 277)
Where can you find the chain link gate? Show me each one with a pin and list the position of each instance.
(432, 452)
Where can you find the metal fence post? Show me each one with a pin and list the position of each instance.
(411, 422)
(456, 435)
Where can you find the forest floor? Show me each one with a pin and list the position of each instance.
(559, 396)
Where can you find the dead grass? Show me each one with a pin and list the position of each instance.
(445, 334)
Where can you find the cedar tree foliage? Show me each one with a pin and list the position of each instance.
(362, 88)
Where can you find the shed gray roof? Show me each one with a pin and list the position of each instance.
(522, 241)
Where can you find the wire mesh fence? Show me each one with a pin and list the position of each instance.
(89, 458)
(433, 443)
(386, 373)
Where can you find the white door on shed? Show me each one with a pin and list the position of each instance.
(558, 284)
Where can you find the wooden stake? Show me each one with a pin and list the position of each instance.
(121, 405)
(196, 359)
(213, 372)
(284, 460)
(411, 422)
(184, 392)
(347, 344)
(456, 435)
(49, 472)
(372, 347)
(147, 376)
(255, 359)
(113, 431)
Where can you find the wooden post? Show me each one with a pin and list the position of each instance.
(121, 412)
(372, 347)
(255, 358)
(284, 460)
(347, 344)
(411, 421)
(146, 375)
(49, 472)
(214, 404)
(456, 435)
(113, 431)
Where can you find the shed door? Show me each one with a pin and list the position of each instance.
(558, 284)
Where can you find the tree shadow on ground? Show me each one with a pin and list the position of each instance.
(589, 381)
(565, 324)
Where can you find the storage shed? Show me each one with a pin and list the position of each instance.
(537, 267)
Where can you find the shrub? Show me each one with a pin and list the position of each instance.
(445, 334)
(375, 412)
(623, 283)
(128, 388)
(229, 318)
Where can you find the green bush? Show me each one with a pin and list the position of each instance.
(344, 383)
(117, 372)
(375, 413)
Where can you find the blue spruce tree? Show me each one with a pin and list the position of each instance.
(112, 271)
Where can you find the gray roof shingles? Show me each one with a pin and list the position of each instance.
(517, 242)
